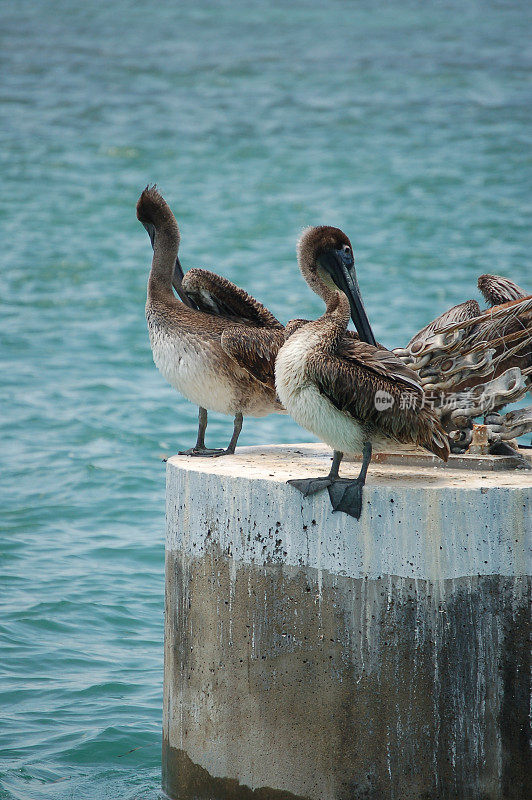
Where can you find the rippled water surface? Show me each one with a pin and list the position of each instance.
(409, 127)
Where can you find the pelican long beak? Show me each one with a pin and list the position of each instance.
(341, 267)
(177, 281)
(150, 227)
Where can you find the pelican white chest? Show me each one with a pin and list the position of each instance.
(303, 400)
(188, 368)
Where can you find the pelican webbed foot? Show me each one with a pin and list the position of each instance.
(309, 486)
(345, 494)
(199, 449)
(203, 452)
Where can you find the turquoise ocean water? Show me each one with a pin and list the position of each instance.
(405, 123)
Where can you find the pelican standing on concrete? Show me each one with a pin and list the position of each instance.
(496, 290)
(193, 339)
(477, 362)
(330, 383)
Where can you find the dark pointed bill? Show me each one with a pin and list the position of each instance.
(177, 281)
(341, 267)
(150, 227)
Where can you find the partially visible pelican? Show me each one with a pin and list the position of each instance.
(329, 380)
(496, 290)
(194, 339)
(476, 361)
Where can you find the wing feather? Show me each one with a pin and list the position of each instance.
(378, 361)
(255, 350)
(214, 294)
(497, 290)
(459, 313)
(351, 381)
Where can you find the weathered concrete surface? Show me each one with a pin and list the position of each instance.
(308, 655)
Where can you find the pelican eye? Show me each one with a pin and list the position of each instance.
(346, 249)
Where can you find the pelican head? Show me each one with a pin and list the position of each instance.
(327, 263)
(155, 214)
(157, 218)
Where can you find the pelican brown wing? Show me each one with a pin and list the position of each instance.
(459, 313)
(255, 350)
(214, 294)
(383, 363)
(351, 381)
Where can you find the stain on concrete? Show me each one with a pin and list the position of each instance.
(514, 716)
(416, 529)
(329, 687)
(188, 781)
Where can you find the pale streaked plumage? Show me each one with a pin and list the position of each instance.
(328, 381)
(476, 361)
(187, 335)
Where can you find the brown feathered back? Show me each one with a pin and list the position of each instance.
(351, 380)
(214, 294)
(458, 313)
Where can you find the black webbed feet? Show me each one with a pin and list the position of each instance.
(346, 496)
(310, 485)
(203, 452)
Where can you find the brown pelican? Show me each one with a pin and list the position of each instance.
(194, 339)
(476, 361)
(330, 382)
(496, 290)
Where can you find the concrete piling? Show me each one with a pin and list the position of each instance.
(311, 656)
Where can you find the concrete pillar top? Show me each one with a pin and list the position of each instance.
(426, 522)
(280, 462)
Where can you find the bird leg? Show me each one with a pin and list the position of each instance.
(199, 449)
(205, 452)
(346, 493)
(312, 485)
(237, 427)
